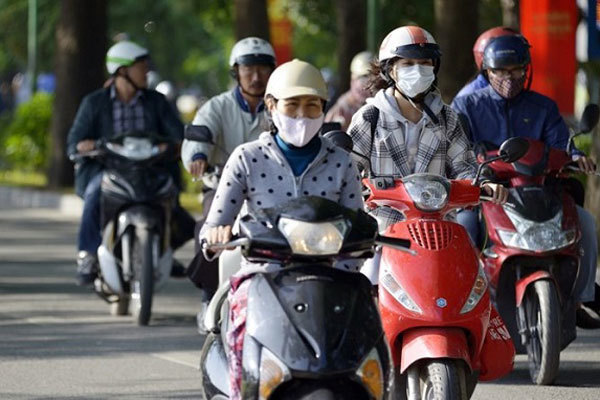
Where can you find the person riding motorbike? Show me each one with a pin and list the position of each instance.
(124, 106)
(290, 160)
(507, 107)
(406, 128)
(481, 80)
(222, 123)
(349, 102)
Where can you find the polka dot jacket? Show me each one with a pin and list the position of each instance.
(257, 174)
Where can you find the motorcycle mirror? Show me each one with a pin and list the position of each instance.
(513, 149)
(395, 243)
(198, 133)
(589, 118)
(340, 139)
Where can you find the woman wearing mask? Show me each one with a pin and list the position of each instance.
(289, 161)
(406, 128)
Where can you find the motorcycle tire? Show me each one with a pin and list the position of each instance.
(443, 380)
(542, 313)
(143, 265)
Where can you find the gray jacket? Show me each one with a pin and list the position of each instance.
(258, 175)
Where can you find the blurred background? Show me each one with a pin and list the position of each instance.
(52, 54)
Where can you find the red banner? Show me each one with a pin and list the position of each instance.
(280, 28)
(549, 26)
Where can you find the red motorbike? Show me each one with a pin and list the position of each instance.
(435, 307)
(533, 255)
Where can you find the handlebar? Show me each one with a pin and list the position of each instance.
(236, 242)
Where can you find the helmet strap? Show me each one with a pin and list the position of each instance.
(424, 108)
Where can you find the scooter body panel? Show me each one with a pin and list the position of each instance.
(421, 343)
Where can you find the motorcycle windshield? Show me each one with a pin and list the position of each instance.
(317, 320)
(536, 203)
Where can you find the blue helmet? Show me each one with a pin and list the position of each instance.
(506, 50)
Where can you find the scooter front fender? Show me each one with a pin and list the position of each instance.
(421, 343)
(523, 283)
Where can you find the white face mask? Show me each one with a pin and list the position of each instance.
(296, 131)
(414, 79)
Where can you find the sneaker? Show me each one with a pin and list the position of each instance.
(178, 270)
(87, 268)
(585, 320)
(594, 305)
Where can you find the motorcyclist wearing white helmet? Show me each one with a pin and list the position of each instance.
(349, 103)
(222, 123)
(290, 160)
(123, 106)
(406, 128)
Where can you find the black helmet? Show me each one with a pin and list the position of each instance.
(506, 50)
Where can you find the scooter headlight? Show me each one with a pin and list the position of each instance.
(477, 292)
(308, 238)
(273, 373)
(371, 374)
(134, 148)
(393, 287)
(536, 236)
(428, 192)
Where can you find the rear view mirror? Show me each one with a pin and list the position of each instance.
(589, 118)
(340, 139)
(513, 149)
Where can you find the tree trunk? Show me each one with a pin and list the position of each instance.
(80, 51)
(351, 17)
(510, 13)
(455, 31)
(251, 19)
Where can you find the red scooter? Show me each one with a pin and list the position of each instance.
(533, 255)
(435, 307)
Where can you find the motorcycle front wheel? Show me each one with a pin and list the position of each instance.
(542, 314)
(144, 275)
(442, 380)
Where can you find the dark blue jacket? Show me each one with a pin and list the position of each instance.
(493, 119)
(94, 120)
(478, 83)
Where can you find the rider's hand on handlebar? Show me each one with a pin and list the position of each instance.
(498, 192)
(218, 235)
(197, 168)
(86, 145)
(586, 164)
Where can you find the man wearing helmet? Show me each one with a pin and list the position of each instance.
(224, 122)
(125, 105)
(507, 108)
(349, 102)
(480, 80)
(288, 161)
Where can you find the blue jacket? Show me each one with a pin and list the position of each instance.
(493, 119)
(478, 83)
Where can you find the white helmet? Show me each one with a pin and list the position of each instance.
(124, 54)
(296, 78)
(167, 89)
(409, 42)
(252, 50)
(361, 63)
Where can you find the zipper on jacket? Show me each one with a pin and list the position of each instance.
(507, 118)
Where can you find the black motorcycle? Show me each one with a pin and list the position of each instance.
(312, 331)
(137, 198)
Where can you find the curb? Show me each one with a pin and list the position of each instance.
(22, 198)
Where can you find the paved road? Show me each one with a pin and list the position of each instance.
(59, 341)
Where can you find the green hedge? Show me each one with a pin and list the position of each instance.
(24, 144)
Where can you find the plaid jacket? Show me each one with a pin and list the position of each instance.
(444, 149)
